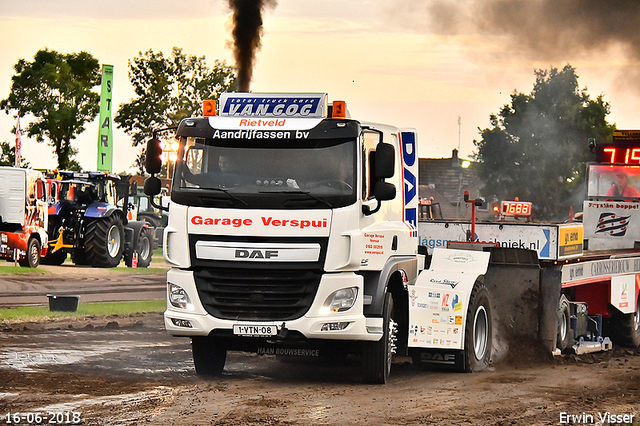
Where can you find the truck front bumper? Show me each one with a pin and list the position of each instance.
(351, 324)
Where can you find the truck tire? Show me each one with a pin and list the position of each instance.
(564, 325)
(624, 329)
(377, 356)
(143, 245)
(32, 257)
(104, 242)
(209, 356)
(478, 328)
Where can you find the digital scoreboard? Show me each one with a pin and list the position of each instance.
(625, 148)
(515, 208)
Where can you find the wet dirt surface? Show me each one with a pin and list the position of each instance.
(129, 371)
(91, 284)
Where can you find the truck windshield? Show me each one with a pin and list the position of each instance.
(613, 182)
(265, 174)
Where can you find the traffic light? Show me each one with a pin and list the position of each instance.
(153, 159)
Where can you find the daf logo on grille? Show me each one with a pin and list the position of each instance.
(256, 254)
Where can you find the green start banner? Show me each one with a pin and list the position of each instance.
(105, 132)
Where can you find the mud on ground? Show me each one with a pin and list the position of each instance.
(129, 371)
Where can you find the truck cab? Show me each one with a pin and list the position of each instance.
(292, 229)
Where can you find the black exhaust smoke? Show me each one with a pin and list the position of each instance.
(247, 35)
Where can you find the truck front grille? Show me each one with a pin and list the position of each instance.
(257, 295)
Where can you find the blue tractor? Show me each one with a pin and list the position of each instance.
(90, 218)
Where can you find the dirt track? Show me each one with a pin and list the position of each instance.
(91, 284)
(128, 371)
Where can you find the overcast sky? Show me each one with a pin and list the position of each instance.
(409, 63)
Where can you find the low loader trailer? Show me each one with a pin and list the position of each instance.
(587, 272)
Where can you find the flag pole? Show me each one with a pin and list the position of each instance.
(18, 153)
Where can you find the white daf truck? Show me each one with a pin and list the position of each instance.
(292, 231)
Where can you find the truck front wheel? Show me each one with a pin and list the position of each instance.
(377, 356)
(478, 340)
(32, 258)
(209, 356)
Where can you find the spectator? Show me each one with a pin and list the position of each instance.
(621, 189)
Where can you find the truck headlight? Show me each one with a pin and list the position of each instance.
(340, 300)
(179, 298)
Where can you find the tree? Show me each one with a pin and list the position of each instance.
(8, 155)
(168, 90)
(56, 89)
(536, 148)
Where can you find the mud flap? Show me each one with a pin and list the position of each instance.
(442, 359)
(514, 280)
(550, 292)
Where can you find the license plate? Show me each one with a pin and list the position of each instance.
(255, 330)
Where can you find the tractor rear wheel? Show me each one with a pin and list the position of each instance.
(104, 242)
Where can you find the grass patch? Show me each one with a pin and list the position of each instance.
(20, 270)
(42, 313)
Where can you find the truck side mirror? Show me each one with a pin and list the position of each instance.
(152, 186)
(385, 160)
(153, 158)
(385, 191)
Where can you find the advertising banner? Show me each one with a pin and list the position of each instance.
(105, 131)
